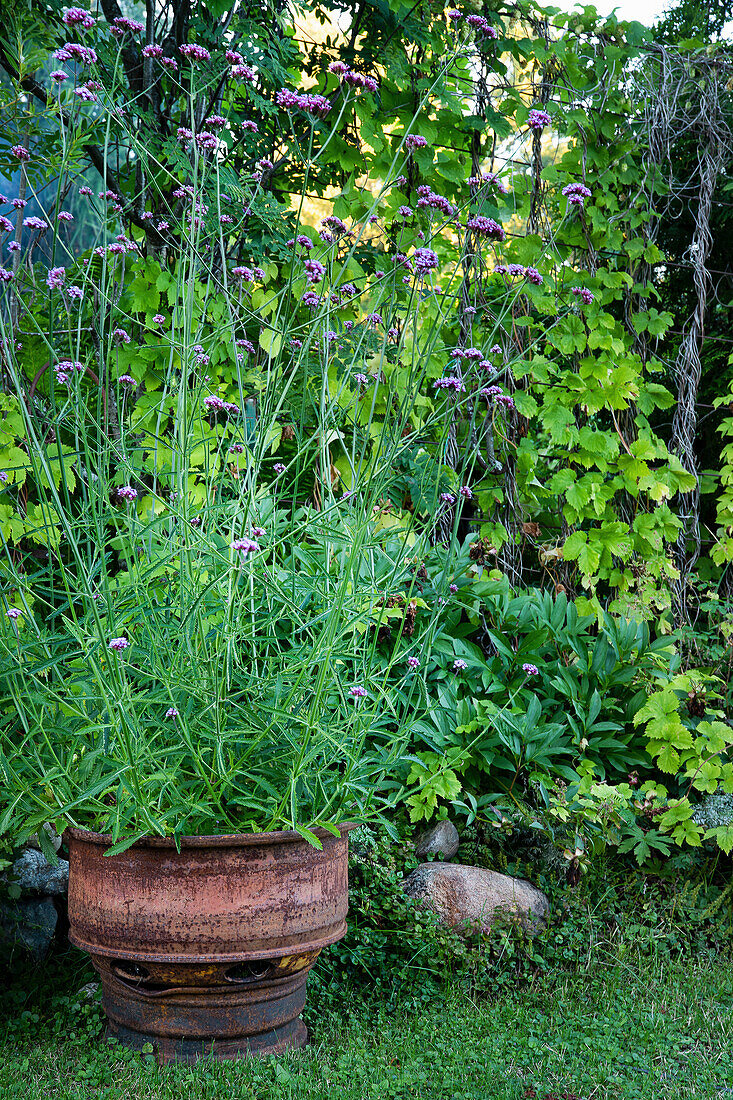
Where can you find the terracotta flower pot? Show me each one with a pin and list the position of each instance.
(206, 951)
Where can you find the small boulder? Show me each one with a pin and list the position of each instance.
(29, 923)
(33, 874)
(476, 898)
(440, 840)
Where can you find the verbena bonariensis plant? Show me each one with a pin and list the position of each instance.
(194, 648)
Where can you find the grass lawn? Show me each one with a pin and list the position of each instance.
(654, 1033)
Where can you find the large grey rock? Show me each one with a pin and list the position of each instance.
(441, 839)
(474, 898)
(33, 874)
(28, 923)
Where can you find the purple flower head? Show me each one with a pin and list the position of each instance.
(576, 194)
(415, 141)
(5, 275)
(35, 223)
(486, 227)
(85, 190)
(583, 293)
(447, 498)
(207, 141)
(77, 17)
(516, 271)
(127, 380)
(251, 126)
(74, 51)
(338, 68)
(361, 379)
(194, 52)
(120, 336)
(279, 468)
(404, 211)
(55, 278)
(21, 153)
(424, 260)
(169, 63)
(453, 588)
(530, 670)
(122, 25)
(6, 226)
(118, 644)
(533, 276)
(58, 75)
(459, 664)
(158, 319)
(413, 662)
(74, 293)
(13, 613)
(65, 216)
(466, 492)
(153, 51)
(3, 477)
(314, 271)
(454, 15)
(537, 120)
(171, 712)
(258, 532)
(245, 546)
(357, 691)
(449, 383)
(126, 492)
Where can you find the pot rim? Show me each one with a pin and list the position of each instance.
(218, 840)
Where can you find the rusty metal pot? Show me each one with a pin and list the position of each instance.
(206, 951)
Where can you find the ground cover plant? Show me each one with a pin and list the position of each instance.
(632, 1032)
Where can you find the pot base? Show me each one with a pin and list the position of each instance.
(291, 1036)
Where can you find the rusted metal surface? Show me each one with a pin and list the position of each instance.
(220, 899)
(207, 951)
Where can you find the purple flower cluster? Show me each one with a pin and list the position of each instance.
(537, 120)
(35, 223)
(576, 194)
(122, 26)
(424, 260)
(583, 293)
(77, 17)
(354, 79)
(485, 227)
(171, 712)
(482, 25)
(309, 102)
(428, 198)
(415, 141)
(314, 271)
(489, 179)
(459, 664)
(21, 153)
(245, 546)
(530, 670)
(126, 492)
(214, 404)
(450, 382)
(13, 613)
(357, 691)
(193, 52)
(118, 644)
(74, 51)
(56, 278)
(413, 662)
(65, 368)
